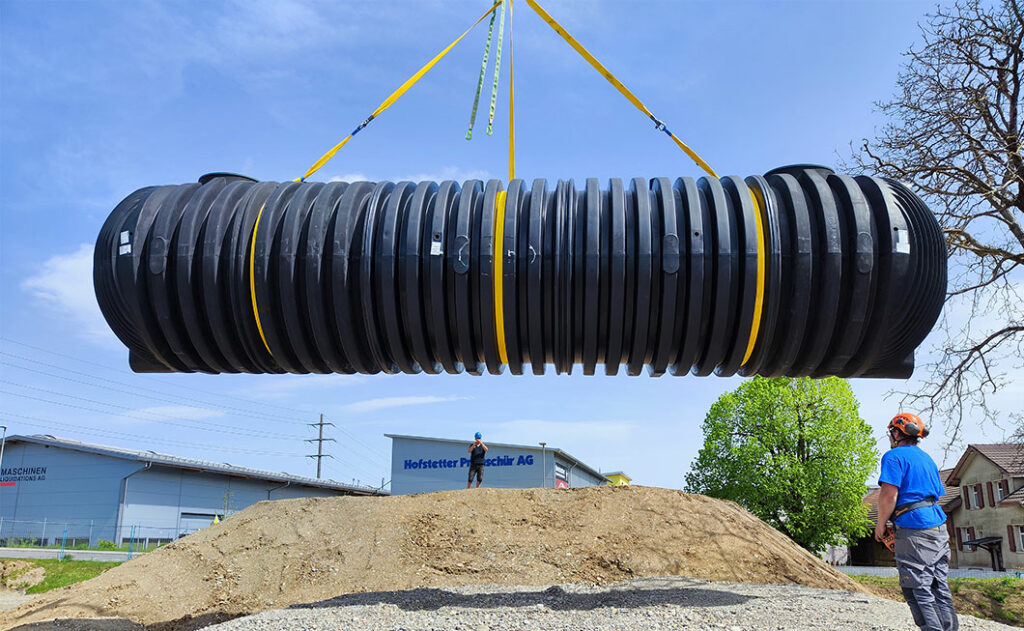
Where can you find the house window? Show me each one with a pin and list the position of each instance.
(973, 490)
(999, 490)
(965, 535)
(1020, 537)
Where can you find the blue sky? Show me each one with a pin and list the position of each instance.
(98, 99)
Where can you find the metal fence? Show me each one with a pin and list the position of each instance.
(70, 534)
(966, 572)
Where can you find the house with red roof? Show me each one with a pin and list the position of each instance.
(988, 523)
(984, 506)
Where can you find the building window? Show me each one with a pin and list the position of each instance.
(1020, 537)
(202, 516)
(999, 491)
(973, 490)
(965, 534)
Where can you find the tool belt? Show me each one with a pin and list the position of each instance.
(903, 509)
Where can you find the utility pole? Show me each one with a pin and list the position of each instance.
(320, 440)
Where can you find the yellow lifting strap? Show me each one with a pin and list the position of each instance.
(760, 209)
(388, 102)
(499, 209)
(618, 84)
(252, 280)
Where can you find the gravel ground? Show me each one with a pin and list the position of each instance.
(639, 605)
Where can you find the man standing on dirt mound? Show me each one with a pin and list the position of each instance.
(910, 489)
(476, 461)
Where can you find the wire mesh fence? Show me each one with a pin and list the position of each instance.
(94, 534)
(966, 572)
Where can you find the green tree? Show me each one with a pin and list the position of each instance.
(794, 452)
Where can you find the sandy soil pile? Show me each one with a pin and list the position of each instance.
(275, 554)
(19, 575)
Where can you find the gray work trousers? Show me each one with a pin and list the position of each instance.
(922, 558)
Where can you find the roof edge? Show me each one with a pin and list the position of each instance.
(567, 455)
(168, 460)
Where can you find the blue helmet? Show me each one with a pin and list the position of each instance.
(478, 435)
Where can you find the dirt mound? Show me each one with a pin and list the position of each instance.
(20, 575)
(275, 554)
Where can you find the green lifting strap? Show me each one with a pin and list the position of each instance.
(497, 71)
(480, 81)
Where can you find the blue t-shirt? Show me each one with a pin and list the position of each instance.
(914, 473)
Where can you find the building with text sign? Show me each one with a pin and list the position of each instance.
(56, 490)
(420, 464)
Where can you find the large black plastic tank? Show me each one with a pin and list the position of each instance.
(801, 272)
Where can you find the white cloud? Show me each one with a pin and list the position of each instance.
(64, 287)
(372, 405)
(558, 433)
(446, 173)
(270, 387)
(351, 177)
(274, 27)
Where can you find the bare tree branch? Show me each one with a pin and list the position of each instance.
(954, 132)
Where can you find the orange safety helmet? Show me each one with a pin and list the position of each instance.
(909, 424)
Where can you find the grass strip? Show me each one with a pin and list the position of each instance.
(997, 599)
(63, 573)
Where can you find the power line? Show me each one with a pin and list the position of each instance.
(204, 426)
(353, 437)
(36, 422)
(344, 467)
(384, 460)
(136, 375)
(67, 405)
(136, 388)
(342, 476)
(370, 456)
(367, 459)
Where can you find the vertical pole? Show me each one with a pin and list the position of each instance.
(63, 542)
(320, 440)
(90, 534)
(543, 466)
(320, 447)
(3, 441)
(42, 540)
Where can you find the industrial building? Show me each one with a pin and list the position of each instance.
(54, 490)
(420, 464)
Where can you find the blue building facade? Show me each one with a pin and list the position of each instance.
(420, 464)
(54, 490)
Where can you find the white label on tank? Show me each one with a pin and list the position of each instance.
(902, 242)
(125, 249)
(435, 248)
(125, 237)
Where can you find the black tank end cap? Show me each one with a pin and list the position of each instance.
(796, 169)
(203, 179)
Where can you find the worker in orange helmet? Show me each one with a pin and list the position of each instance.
(910, 489)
